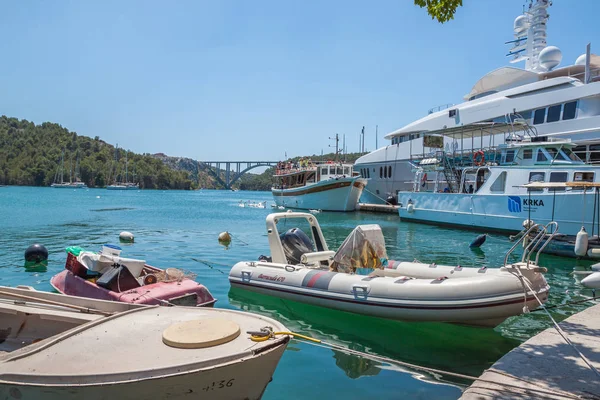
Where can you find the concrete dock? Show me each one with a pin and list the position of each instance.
(380, 208)
(546, 366)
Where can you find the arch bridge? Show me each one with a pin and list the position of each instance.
(233, 169)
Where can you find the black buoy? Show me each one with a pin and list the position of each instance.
(479, 240)
(36, 253)
(392, 200)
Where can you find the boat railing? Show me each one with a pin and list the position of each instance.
(540, 241)
(439, 108)
(537, 244)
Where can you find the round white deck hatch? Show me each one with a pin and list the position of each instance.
(201, 333)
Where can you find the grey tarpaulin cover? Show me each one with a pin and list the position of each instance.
(363, 248)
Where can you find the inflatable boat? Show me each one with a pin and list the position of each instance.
(305, 270)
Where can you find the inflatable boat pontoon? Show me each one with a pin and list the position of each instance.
(304, 270)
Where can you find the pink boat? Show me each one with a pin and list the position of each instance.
(153, 286)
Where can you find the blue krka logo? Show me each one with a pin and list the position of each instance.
(515, 203)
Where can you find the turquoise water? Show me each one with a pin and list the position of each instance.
(180, 229)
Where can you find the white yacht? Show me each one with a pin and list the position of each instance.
(59, 181)
(553, 101)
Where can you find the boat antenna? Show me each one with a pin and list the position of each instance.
(530, 37)
(337, 141)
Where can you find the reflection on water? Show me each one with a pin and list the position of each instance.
(462, 349)
(33, 266)
(354, 366)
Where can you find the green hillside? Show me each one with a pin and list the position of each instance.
(30, 155)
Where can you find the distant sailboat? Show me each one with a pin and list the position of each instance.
(123, 185)
(59, 176)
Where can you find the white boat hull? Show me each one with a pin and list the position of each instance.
(498, 212)
(114, 350)
(69, 186)
(340, 194)
(469, 295)
(240, 379)
(123, 187)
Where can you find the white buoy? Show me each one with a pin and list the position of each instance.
(581, 243)
(592, 281)
(224, 237)
(126, 237)
(596, 267)
(410, 208)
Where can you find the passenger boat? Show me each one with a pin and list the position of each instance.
(321, 186)
(305, 270)
(54, 347)
(487, 189)
(108, 276)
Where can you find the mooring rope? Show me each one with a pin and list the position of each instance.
(267, 333)
(559, 329)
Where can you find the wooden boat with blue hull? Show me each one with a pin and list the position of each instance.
(410, 291)
(326, 186)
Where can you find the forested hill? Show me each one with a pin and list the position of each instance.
(30, 154)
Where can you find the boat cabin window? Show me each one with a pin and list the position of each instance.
(346, 170)
(499, 184)
(389, 171)
(558, 177)
(537, 177)
(527, 154)
(324, 171)
(554, 113)
(380, 172)
(569, 110)
(339, 171)
(508, 157)
(572, 156)
(555, 153)
(583, 177)
(541, 156)
(526, 115)
(538, 116)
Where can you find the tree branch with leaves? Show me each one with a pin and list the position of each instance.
(442, 10)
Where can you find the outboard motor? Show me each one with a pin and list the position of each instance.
(295, 243)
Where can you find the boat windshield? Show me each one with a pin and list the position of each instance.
(572, 156)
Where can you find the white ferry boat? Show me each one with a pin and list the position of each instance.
(486, 189)
(554, 101)
(322, 186)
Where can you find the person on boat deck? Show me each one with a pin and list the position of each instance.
(471, 190)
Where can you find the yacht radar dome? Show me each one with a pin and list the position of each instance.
(581, 59)
(521, 25)
(550, 57)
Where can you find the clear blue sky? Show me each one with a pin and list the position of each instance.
(251, 80)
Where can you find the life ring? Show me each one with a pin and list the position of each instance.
(478, 157)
